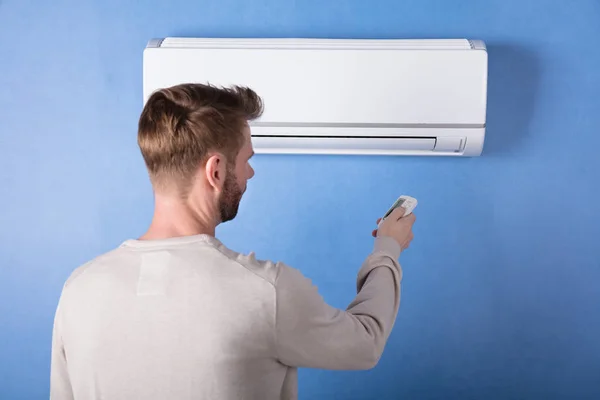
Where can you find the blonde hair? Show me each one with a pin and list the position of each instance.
(181, 125)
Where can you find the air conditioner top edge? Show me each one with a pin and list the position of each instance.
(308, 43)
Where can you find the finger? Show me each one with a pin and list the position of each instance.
(411, 218)
(378, 221)
(374, 233)
(409, 241)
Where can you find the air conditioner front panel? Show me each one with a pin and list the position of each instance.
(332, 86)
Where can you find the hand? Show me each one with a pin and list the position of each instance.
(398, 227)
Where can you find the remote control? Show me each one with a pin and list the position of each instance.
(407, 202)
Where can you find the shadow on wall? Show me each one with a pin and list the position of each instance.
(513, 78)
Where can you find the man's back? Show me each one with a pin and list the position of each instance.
(175, 318)
(186, 318)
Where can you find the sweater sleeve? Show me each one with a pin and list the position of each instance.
(60, 384)
(312, 334)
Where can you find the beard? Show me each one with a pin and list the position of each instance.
(229, 202)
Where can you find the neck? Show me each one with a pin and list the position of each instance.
(174, 217)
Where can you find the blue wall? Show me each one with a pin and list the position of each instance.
(501, 294)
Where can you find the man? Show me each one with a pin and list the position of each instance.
(175, 314)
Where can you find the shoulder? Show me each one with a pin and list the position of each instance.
(286, 280)
(264, 269)
(91, 266)
(277, 273)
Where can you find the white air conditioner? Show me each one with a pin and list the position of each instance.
(342, 96)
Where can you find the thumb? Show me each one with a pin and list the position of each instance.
(398, 213)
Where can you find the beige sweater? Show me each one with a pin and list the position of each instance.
(187, 318)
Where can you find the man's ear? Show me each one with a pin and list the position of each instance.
(215, 171)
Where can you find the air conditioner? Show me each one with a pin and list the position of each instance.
(424, 97)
